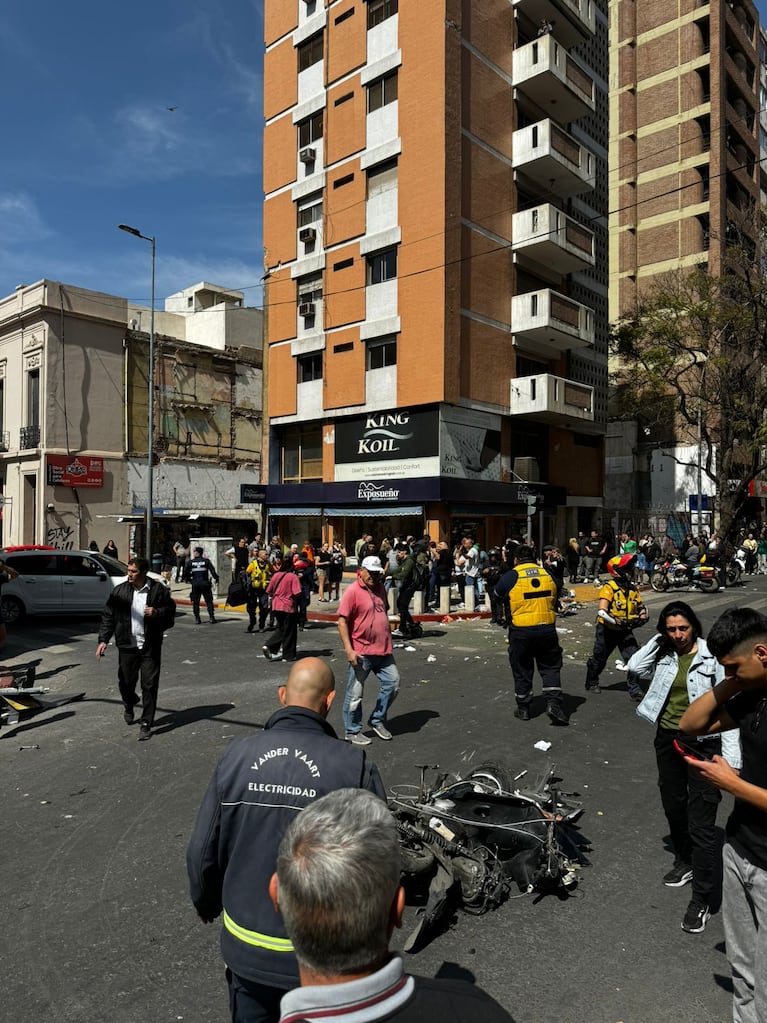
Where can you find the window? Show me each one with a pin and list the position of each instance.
(310, 211)
(302, 454)
(382, 266)
(381, 352)
(77, 564)
(310, 130)
(310, 52)
(382, 91)
(33, 397)
(380, 10)
(309, 367)
(309, 288)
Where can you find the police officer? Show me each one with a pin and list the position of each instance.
(258, 787)
(531, 595)
(199, 571)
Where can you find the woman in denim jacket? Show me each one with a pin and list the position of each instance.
(680, 668)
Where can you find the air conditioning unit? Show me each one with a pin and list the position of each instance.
(306, 309)
(307, 155)
(307, 234)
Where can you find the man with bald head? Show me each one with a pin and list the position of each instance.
(259, 785)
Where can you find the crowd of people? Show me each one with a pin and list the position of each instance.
(290, 810)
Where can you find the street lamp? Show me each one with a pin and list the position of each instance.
(150, 402)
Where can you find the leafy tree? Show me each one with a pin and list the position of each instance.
(690, 357)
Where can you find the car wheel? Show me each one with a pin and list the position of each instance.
(11, 610)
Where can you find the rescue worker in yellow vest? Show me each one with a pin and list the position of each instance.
(531, 595)
(620, 612)
(257, 575)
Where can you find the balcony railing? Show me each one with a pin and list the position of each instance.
(29, 437)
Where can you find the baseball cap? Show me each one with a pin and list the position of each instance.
(372, 564)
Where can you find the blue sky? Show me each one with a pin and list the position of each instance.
(91, 144)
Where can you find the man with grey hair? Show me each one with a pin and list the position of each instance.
(338, 889)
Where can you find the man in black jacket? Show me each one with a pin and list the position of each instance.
(136, 613)
(258, 787)
(199, 571)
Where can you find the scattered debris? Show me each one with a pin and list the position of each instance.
(28, 747)
(431, 659)
(542, 745)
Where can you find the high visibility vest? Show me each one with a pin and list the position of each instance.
(533, 597)
(624, 604)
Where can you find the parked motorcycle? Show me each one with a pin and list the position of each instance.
(467, 841)
(673, 574)
(736, 566)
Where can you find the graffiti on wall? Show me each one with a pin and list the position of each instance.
(61, 537)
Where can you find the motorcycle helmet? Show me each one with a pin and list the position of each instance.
(621, 565)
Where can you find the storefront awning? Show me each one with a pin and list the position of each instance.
(371, 510)
(284, 512)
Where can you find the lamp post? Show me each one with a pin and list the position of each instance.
(150, 402)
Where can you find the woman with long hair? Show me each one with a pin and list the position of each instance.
(680, 668)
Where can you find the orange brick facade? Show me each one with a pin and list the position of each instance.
(388, 234)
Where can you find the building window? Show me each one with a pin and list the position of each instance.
(382, 91)
(302, 454)
(381, 352)
(309, 288)
(380, 10)
(309, 367)
(33, 397)
(382, 266)
(310, 52)
(310, 130)
(310, 211)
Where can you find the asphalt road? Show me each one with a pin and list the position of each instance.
(94, 826)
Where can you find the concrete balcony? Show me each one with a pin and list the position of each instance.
(573, 21)
(551, 399)
(550, 323)
(545, 73)
(551, 161)
(550, 238)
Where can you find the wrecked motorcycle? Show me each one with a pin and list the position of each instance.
(468, 841)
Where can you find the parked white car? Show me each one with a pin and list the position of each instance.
(59, 582)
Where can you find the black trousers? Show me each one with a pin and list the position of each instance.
(403, 607)
(605, 642)
(258, 601)
(285, 635)
(536, 646)
(690, 807)
(250, 1002)
(134, 664)
(206, 593)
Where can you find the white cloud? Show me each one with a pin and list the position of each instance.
(20, 220)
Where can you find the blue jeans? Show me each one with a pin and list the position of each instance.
(385, 670)
(744, 911)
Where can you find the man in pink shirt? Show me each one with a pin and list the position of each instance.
(284, 591)
(363, 622)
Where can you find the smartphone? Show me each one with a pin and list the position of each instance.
(688, 750)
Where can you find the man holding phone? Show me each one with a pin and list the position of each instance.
(738, 640)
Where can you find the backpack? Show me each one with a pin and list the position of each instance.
(169, 619)
(421, 573)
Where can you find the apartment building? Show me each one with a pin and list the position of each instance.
(686, 119)
(74, 416)
(435, 241)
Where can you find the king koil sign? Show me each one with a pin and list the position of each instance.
(395, 443)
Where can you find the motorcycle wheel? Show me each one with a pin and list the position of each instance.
(710, 585)
(495, 776)
(733, 575)
(415, 859)
(659, 582)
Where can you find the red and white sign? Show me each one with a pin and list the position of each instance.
(74, 471)
(757, 488)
